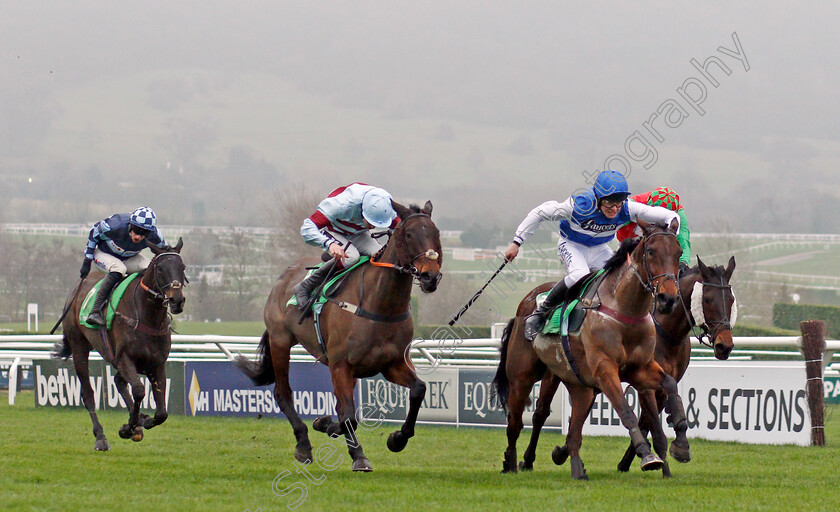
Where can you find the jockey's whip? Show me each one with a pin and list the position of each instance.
(69, 305)
(477, 294)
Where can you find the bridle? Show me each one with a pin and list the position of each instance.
(711, 328)
(648, 285)
(410, 268)
(159, 291)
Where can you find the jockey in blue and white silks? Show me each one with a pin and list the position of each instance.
(114, 245)
(587, 221)
(341, 226)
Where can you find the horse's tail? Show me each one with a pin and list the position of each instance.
(261, 371)
(500, 381)
(61, 349)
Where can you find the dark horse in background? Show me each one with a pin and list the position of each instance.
(357, 345)
(138, 342)
(615, 343)
(520, 368)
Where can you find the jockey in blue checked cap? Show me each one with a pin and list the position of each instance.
(114, 244)
(588, 220)
(340, 225)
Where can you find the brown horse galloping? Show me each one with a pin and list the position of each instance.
(615, 344)
(520, 367)
(358, 345)
(138, 342)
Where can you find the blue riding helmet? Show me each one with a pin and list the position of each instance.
(377, 209)
(144, 218)
(610, 183)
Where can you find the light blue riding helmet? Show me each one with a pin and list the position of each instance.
(143, 218)
(377, 209)
(609, 183)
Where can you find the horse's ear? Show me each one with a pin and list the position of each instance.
(730, 268)
(674, 226)
(154, 248)
(704, 270)
(642, 224)
(178, 246)
(401, 210)
(427, 208)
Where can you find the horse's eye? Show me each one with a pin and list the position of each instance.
(650, 252)
(707, 301)
(407, 235)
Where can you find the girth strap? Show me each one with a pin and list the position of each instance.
(376, 317)
(631, 320)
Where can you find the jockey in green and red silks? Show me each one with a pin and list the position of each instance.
(341, 226)
(587, 221)
(114, 245)
(666, 198)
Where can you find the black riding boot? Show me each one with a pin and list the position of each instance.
(108, 283)
(536, 320)
(304, 289)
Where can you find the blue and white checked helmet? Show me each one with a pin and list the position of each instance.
(377, 209)
(143, 218)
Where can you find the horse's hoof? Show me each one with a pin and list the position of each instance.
(666, 471)
(651, 462)
(303, 455)
(526, 466)
(578, 470)
(322, 424)
(362, 465)
(102, 445)
(397, 441)
(126, 432)
(559, 454)
(138, 434)
(680, 453)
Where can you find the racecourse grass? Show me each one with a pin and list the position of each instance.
(204, 463)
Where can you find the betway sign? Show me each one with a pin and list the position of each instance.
(56, 385)
(749, 402)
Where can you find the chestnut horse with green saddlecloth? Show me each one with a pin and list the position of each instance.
(138, 341)
(616, 343)
(367, 329)
(706, 302)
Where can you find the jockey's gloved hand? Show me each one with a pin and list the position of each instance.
(683, 268)
(85, 268)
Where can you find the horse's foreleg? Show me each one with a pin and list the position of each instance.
(548, 388)
(582, 398)
(606, 374)
(133, 429)
(158, 381)
(80, 362)
(673, 406)
(403, 375)
(343, 387)
(281, 346)
(651, 422)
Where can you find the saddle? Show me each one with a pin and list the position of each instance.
(110, 306)
(568, 316)
(329, 289)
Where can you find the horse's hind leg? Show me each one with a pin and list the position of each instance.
(281, 346)
(582, 398)
(548, 388)
(519, 392)
(158, 381)
(674, 407)
(403, 375)
(80, 361)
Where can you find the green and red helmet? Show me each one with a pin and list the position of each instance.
(664, 197)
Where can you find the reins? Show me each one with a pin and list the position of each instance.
(135, 323)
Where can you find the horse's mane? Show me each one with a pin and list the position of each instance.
(620, 256)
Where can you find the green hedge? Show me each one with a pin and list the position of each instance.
(788, 316)
(761, 330)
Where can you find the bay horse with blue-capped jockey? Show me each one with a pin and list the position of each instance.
(367, 329)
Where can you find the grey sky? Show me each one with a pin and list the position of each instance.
(130, 88)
